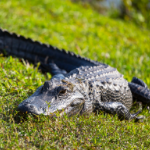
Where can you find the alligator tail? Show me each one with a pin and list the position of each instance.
(34, 51)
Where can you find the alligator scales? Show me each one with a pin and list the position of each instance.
(78, 86)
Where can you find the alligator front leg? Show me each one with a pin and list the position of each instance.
(53, 69)
(117, 108)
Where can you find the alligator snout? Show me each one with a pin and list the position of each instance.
(31, 108)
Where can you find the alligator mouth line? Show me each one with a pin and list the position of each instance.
(63, 112)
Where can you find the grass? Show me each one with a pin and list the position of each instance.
(79, 29)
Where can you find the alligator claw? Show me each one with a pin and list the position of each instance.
(137, 119)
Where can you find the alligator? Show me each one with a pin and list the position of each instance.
(78, 86)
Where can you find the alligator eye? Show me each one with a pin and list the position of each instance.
(62, 92)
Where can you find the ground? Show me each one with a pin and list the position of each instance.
(82, 30)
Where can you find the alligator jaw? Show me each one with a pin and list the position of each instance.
(43, 108)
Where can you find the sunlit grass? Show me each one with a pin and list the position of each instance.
(89, 34)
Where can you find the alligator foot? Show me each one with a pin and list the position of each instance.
(53, 69)
(119, 109)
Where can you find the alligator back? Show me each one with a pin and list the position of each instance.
(105, 84)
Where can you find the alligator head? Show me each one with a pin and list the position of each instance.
(55, 95)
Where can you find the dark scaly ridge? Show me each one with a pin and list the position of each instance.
(34, 51)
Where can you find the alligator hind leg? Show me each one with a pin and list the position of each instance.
(140, 93)
(139, 82)
(117, 108)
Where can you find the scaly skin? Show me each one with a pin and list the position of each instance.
(92, 87)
